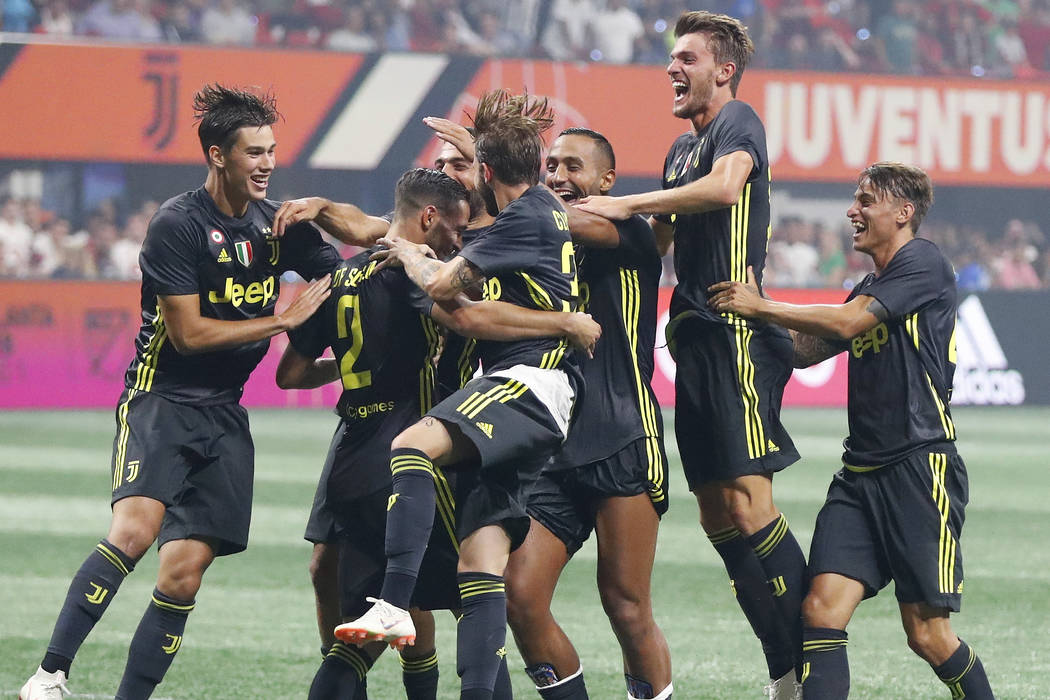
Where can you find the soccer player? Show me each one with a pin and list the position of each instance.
(614, 486)
(731, 371)
(183, 458)
(504, 424)
(385, 339)
(895, 510)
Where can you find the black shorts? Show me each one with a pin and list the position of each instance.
(728, 387)
(515, 434)
(199, 461)
(362, 558)
(566, 501)
(901, 522)
(321, 526)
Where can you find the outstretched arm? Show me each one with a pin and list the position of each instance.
(809, 349)
(192, 333)
(441, 281)
(297, 371)
(498, 320)
(344, 221)
(836, 321)
(718, 189)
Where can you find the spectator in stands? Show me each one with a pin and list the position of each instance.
(933, 59)
(124, 253)
(564, 38)
(120, 19)
(1011, 59)
(182, 23)
(16, 238)
(495, 40)
(898, 35)
(796, 254)
(616, 30)
(831, 266)
(18, 16)
(970, 273)
(354, 34)
(969, 47)
(1034, 28)
(55, 18)
(228, 22)
(46, 254)
(1013, 268)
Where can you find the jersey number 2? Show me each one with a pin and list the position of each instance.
(349, 315)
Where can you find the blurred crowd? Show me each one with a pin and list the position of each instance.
(994, 38)
(37, 244)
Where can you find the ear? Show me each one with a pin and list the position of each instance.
(725, 73)
(216, 157)
(486, 172)
(607, 180)
(427, 216)
(904, 214)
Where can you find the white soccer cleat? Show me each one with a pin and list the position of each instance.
(382, 623)
(784, 688)
(44, 686)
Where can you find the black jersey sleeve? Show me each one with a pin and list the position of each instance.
(664, 183)
(740, 129)
(311, 338)
(304, 251)
(507, 245)
(419, 300)
(917, 275)
(170, 254)
(636, 239)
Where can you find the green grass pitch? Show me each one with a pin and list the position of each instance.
(253, 633)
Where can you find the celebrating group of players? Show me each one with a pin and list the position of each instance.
(453, 486)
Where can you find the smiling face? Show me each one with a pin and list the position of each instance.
(246, 168)
(576, 168)
(694, 75)
(878, 219)
(451, 162)
(443, 232)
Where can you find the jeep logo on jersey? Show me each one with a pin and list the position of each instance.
(983, 374)
(244, 253)
(255, 293)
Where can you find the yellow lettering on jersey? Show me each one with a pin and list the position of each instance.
(493, 289)
(234, 293)
(585, 296)
(872, 340)
(357, 275)
(561, 220)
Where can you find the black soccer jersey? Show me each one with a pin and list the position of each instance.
(901, 371)
(718, 245)
(385, 343)
(528, 260)
(459, 357)
(619, 287)
(235, 266)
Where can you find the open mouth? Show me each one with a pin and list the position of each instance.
(567, 195)
(858, 228)
(261, 181)
(680, 89)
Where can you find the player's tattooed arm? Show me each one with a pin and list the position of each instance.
(810, 349)
(440, 280)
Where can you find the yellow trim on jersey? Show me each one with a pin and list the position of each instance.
(739, 219)
(630, 308)
(148, 365)
(503, 393)
(911, 325)
(539, 295)
(947, 545)
(824, 644)
(121, 450)
(753, 428)
(463, 365)
(552, 358)
(861, 470)
(946, 420)
(427, 379)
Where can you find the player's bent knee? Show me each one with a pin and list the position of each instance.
(817, 611)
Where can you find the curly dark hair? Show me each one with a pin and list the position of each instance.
(222, 111)
(421, 187)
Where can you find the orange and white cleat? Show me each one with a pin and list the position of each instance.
(382, 622)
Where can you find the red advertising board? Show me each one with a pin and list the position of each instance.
(134, 104)
(67, 344)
